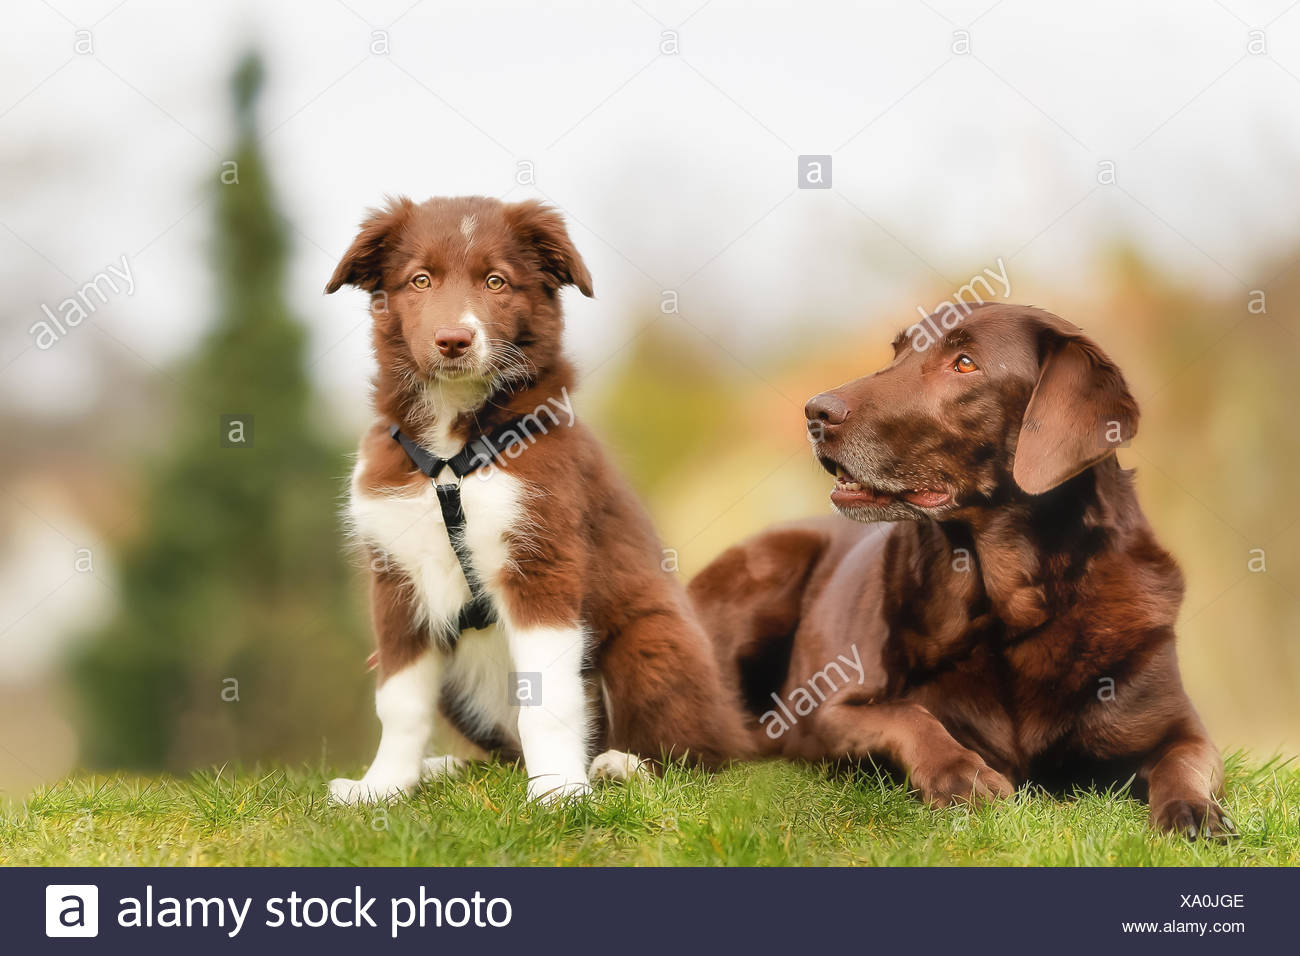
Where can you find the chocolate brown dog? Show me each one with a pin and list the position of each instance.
(998, 610)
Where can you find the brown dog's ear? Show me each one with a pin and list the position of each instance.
(542, 228)
(362, 265)
(1080, 411)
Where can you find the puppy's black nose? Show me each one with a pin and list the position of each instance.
(825, 409)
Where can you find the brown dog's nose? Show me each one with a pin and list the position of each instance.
(825, 409)
(453, 342)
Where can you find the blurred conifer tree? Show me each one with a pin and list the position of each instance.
(236, 636)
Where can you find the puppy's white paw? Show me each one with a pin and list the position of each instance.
(433, 767)
(347, 792)
(352, 792)
(615, 766)
(552, 788)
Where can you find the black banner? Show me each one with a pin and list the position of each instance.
(488, 911)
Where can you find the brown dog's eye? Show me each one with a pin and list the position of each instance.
(496, 282)
(420, 280)
(964, 363)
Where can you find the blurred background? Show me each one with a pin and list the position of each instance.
(178, 181)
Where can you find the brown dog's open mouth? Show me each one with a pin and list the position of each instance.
(849, 492)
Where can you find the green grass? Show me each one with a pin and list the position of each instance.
(755, 815)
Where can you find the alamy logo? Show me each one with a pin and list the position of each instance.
(948, 314)
(526, 688)
(516, 440)
(807, 697)
(71, 909)
(80, 305)
(815, 172)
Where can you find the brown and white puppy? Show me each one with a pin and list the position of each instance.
(465, 301)
(998, 610)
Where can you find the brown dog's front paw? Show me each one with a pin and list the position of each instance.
(965, 778)
(1195, 818)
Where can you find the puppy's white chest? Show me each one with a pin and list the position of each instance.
(407, 531)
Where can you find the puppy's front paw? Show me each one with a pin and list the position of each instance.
(434, 767)
(964, 778)
(352, 792)
(346, 792)
(551, 788)
(1193, 818)
(615, 766)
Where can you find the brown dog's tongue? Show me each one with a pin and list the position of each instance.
(926, 498)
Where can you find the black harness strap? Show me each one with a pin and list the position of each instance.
(479, 612)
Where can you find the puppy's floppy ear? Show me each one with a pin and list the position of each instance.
(362, 265)
(542, 228)
(1080, 411)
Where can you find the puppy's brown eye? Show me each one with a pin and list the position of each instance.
(964, 363)
(420, 280)
(495, 282)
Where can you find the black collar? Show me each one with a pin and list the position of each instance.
(483, 450)
(480, 611)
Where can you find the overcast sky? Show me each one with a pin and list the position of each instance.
(668, 132)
